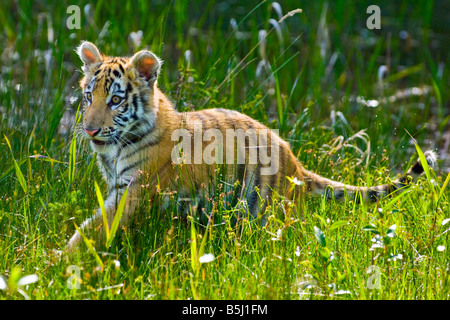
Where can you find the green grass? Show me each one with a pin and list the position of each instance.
(304, 79)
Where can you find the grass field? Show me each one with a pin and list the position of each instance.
(344, 97)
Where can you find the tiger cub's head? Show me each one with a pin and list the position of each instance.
(118, 96)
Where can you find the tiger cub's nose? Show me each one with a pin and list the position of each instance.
(91, 131)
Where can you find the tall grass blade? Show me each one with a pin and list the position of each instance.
(46, 158)
(279, 102)
(11, 168)
(19, 174)
(117, 217)
(338, 224)
(194, 257)
(201, 251)
(72, 155)
(73, 150)
(394, 200)
(444, 186)
(425, 166)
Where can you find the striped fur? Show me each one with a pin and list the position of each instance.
(130, 124)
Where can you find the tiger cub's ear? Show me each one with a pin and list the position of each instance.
(89, 54)
(147, 65)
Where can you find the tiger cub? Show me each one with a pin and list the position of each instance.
(136, 133)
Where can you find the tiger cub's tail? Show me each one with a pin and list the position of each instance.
(318, 185)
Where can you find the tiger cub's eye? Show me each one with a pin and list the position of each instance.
(116, 100)
(88, 96)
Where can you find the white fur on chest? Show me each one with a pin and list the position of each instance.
(117, 171)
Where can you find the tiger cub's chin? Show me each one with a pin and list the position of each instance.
(102, 146)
